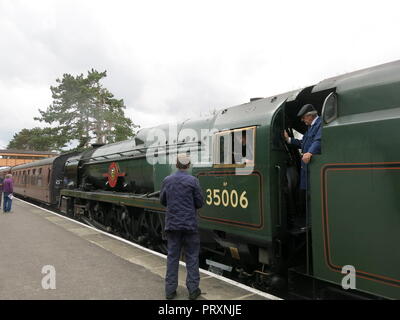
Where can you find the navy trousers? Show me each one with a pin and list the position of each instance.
(190, 241)
(7, 202)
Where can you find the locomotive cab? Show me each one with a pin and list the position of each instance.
(295, 227)
(289, 156)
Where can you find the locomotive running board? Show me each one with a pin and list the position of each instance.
(118, 198)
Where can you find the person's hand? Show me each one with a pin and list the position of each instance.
(285, 134)
(307, 157)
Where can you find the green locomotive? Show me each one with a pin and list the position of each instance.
(249, 176)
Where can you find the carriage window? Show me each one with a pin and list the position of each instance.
(234, 147)
(39, 179)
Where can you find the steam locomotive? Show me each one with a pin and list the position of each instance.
(249, 177)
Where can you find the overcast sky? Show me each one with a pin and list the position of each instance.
(170, 60)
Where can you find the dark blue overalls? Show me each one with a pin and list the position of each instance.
(182, 195)
(311, 142)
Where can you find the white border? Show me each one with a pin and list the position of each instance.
(232, 282)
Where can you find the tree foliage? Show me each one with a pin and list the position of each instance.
(37, 139)
(84, 110)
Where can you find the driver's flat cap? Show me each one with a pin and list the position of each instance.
(307, 108)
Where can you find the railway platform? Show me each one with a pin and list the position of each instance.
(86, 263)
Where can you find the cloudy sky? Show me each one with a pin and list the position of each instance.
(174, 59)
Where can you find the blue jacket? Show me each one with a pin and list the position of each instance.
(311, 142)
(182, 195)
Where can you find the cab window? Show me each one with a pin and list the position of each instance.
(234, 148)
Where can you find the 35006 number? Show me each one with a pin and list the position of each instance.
(226, 198)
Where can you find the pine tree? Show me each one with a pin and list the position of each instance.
(83, 110)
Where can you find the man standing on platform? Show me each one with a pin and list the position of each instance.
(182, 195)
(1, 189)
(8, 190)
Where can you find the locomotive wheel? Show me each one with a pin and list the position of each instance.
(126, 222)
(143, 229)
(158, 225)
(99, 215)
(114, 219)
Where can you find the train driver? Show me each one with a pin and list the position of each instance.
(309, 145)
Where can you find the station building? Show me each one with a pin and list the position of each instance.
(11, 158)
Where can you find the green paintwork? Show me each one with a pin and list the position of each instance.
(237, 195)
(361, 216)
(138, 170)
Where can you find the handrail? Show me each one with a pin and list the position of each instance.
(279, 196)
